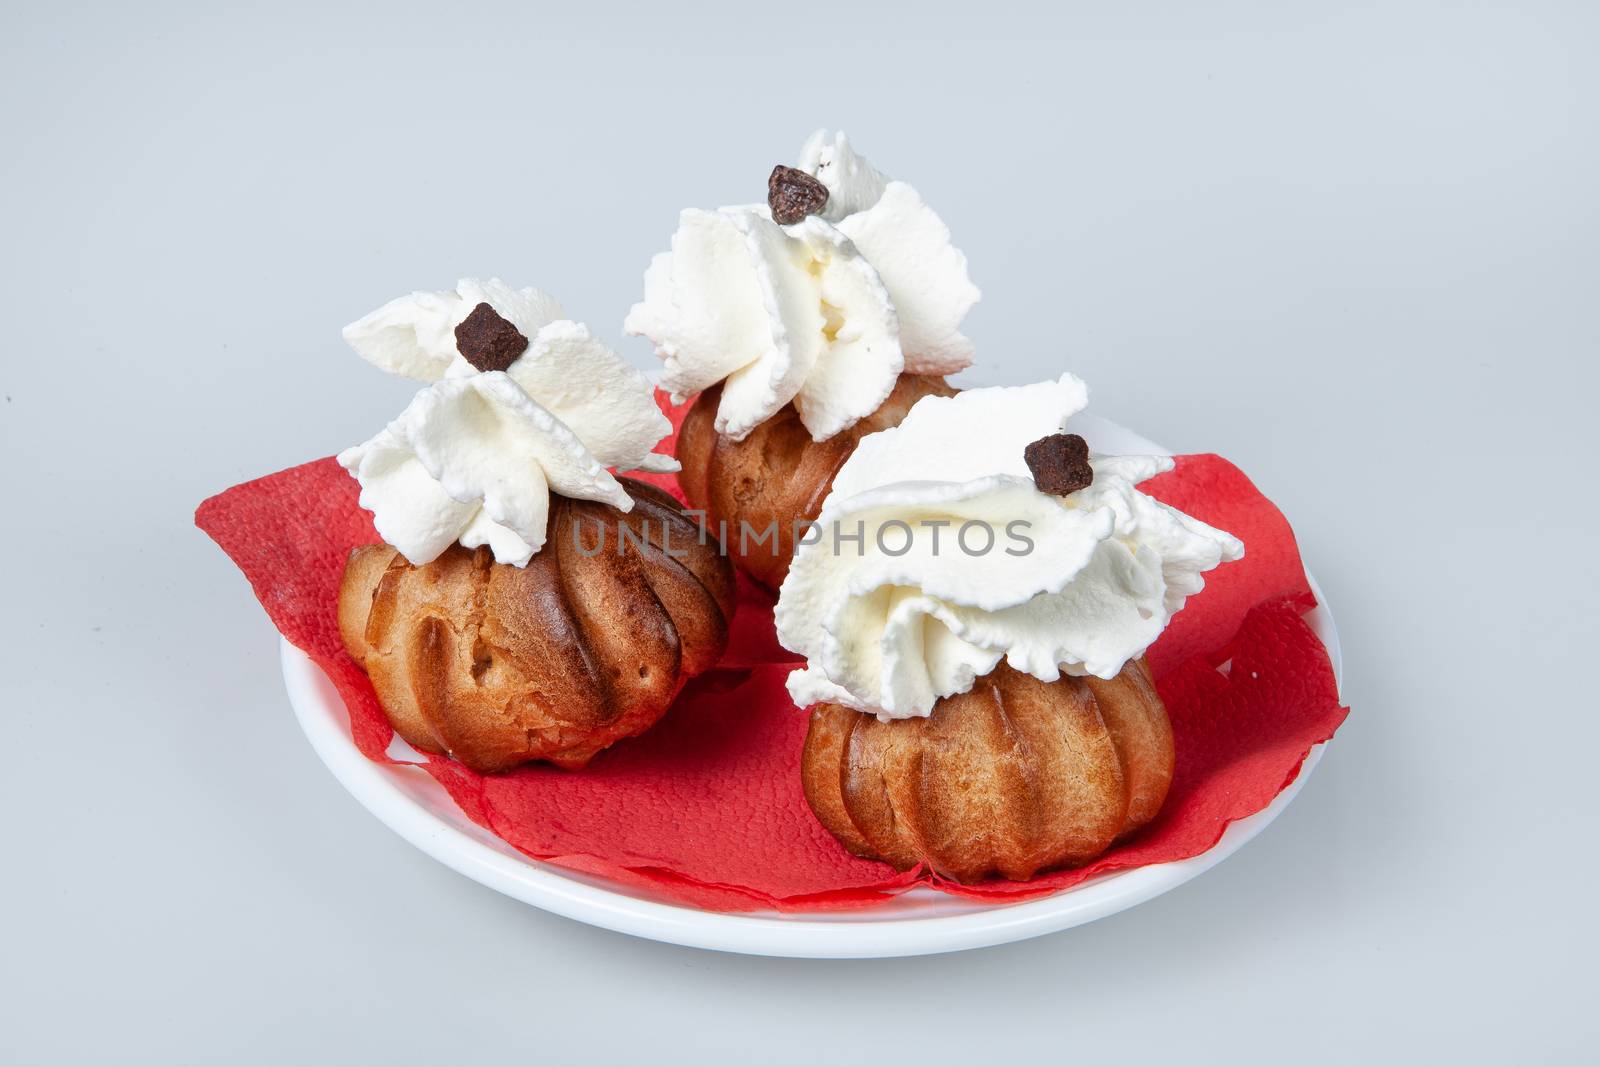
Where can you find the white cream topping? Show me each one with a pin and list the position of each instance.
(475, 456)
(1087, 584)
(825, 313)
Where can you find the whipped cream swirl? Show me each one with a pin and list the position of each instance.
(1087, 584)
(476, 454)
(825, 313)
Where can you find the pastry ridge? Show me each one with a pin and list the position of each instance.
(1012, 778)
(498, 665)
(777, 473)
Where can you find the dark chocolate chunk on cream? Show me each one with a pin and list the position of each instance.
(793, 194)
(488, 341)
(1059, 463)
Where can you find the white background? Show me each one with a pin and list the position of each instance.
(1352, 247)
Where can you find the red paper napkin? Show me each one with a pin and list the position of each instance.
(706, 808)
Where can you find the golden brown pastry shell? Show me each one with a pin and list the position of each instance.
(776, 475)
(1015, 777)
(497, 665)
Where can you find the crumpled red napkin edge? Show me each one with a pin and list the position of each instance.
(658, 882)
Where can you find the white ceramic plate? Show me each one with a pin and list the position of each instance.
(917, 922)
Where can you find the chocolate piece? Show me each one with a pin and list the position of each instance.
(1059, 463)
(793, 194)
(488, 341)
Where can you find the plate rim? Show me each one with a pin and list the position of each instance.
(325, 721)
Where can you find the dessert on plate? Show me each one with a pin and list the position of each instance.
(971, 591)
(527, 604)
(803, 324)
(973, 621)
